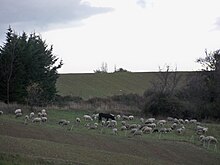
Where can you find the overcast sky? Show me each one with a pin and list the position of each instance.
(136, 35)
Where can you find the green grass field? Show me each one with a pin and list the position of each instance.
(107, 84)
(50, 143)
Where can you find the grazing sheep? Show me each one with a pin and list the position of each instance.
(115, 131)
(113, 123)
(193, 121)
(123, 128)
(163, 130)
(173, 126)
(131, 117)
(152, 125)
(170, 119)
(123, 122)
(78, 120)
(161, 122)
(63, 122)
(94, 126)
(150, 120)
(43, 111)
(31, 115)
(146, 129)
(142, 120)
(138, 133)
(124, 117)
(201, 130)
(43, 114)
(87, 117)
(155, 130)
(39, 114)
(133, 130)
(181, 121)
(118, 117)
(186, 121)
(19, 114)
(26, 118)
(17, 111)
(102, 123)
(180, 130)
(131, 126)
(95, 116)
(43, 119)
(36, 120)
(209, 140)
(1, 113)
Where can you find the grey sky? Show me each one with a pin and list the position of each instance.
(137, 35)
(40, 15)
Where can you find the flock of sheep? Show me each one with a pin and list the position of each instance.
(127, 124)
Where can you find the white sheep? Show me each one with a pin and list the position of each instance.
(19, 114)
(44, 119)
(1, 113)
(78, 120)
(94, 126)
(138, 133)
(201, 130)
(170, 119)
(180, 130)
(87, 117)
(112, 123)
(26, 118)
(95, 116)
(118, 117)
(62, 121)
(36, 120)
(161, 122)
(66, 122)
(142, 120)
(133, 130)
(152, 125)
(43, 111)
(43, 114)
(193, 121)
(131, 117)
(124, 117)
(131, 126)
(123, 128)
(31, 115)
(39, 114)
(150, 120)
(115, 131)
(17, 111)
(209, 140)
(146, 129)
(123, 122)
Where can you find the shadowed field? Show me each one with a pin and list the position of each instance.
(50, 143)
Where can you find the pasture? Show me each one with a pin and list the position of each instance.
(107, 84)
(51, 143)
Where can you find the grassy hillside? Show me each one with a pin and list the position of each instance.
(106, 84)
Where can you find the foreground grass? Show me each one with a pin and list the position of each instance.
(52, 144)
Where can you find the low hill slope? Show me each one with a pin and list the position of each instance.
(89, 85)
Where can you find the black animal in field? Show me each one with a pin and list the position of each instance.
(107, 116)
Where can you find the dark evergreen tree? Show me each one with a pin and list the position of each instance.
(23, 61)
